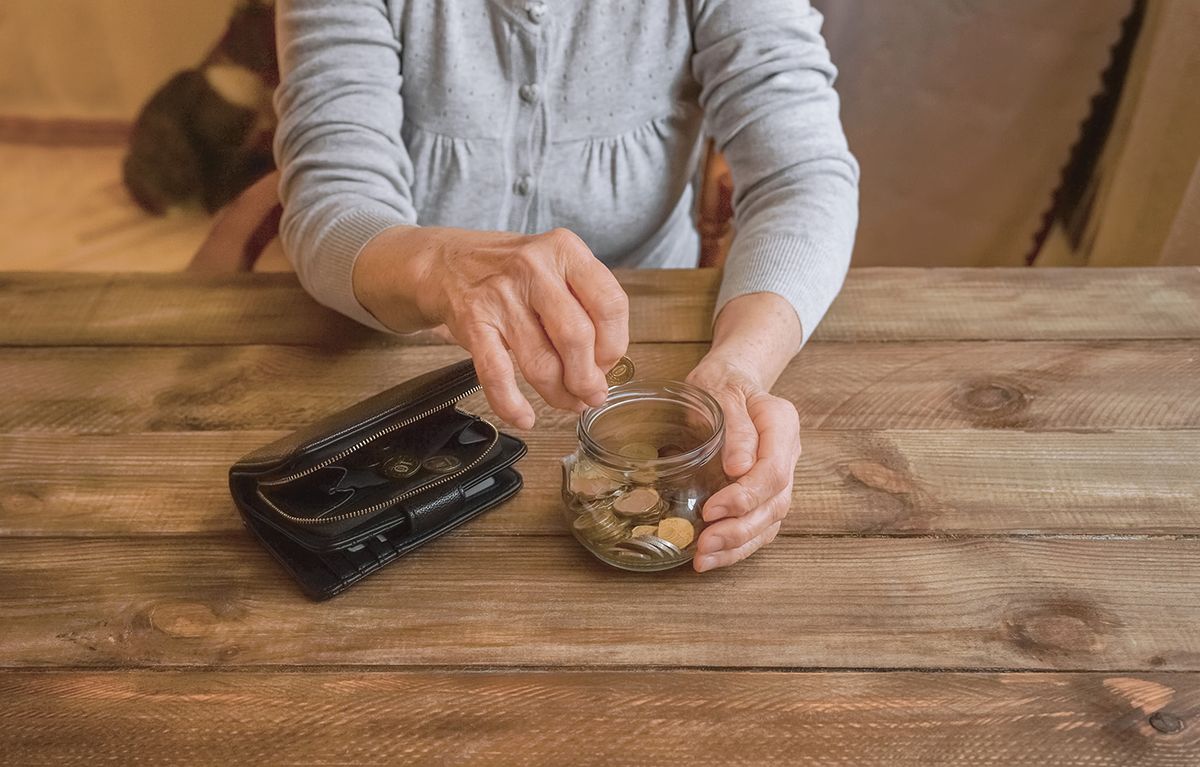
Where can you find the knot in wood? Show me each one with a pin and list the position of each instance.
(1166, 723)
(994, 397)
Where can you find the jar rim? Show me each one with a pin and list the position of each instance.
(680, 392)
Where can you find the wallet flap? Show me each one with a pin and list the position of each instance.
(430, 391)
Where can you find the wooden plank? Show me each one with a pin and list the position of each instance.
(600, 718)
(54, 308)
(1033, 386)
(876, 304)
(868, 482)
(1064, 604)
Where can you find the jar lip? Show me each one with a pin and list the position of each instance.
(679, 391)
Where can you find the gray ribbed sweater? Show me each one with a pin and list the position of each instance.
(524, 115)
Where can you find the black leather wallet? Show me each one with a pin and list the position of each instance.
(337, 500)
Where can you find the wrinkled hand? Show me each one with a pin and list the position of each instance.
(544, 296)
(762, 446)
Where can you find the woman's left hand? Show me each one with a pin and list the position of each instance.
(762, 446)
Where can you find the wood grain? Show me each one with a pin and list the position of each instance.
(998, 478)
(877, 304)
(870, 482)
(1032, 386)
(543, 601)
(600, 718)
(52, 308)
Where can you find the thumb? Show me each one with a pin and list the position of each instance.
(741, 437)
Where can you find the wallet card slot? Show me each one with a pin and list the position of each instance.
(338, 514)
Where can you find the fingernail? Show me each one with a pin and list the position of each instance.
(597, 399)
(711, 544)
(525, 422)
(713, 513)
(705, 563)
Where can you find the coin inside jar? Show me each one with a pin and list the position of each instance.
(588, 481)
(636, 502)
(649, 454)
(677, 531)
(599, 525)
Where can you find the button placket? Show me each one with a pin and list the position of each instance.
(527, 145)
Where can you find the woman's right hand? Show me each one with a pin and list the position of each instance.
(544, 296)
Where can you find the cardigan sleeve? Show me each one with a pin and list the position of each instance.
(346, 175)
(766, 87)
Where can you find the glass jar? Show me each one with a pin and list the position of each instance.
(648, 459)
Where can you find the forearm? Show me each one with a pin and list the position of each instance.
(345, 176)
(758, 334)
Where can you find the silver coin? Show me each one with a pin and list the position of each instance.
(650, 545)
(667, 548)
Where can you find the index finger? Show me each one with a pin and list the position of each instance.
(603, 298)
(778, 449)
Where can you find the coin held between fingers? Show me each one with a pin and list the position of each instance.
(622, 372)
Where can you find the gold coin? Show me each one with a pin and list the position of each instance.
(641, 530)
(636, 502)
(591, 483)
(599, 525)
(676, 530)
(640, 451)
(622, 372)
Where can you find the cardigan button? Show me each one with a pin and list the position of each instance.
(529, 93)
(535, 11)
(524, 185)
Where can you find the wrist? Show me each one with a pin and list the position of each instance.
(722, 364)
(392, 279)
(754, 336)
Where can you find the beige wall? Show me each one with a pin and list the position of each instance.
(98, 58)
(962, 115)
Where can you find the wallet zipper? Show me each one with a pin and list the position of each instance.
(368, 440)
(375, 507)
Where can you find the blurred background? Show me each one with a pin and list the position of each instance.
(990, 132)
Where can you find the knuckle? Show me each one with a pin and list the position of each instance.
(780, 508)
(491, 370)
(542, 377)
(739, 534)
(575, 333)
(542, 365)
(750, 497)
(782, 408)
(772, 533)
(530, 258)
(611, 302)
(778, 476)
(564, 239)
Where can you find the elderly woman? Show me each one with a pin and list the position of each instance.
(481, 164)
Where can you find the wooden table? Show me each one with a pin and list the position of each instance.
(993, 556)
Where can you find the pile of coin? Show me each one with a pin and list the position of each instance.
(629, 522)
(634, 518)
